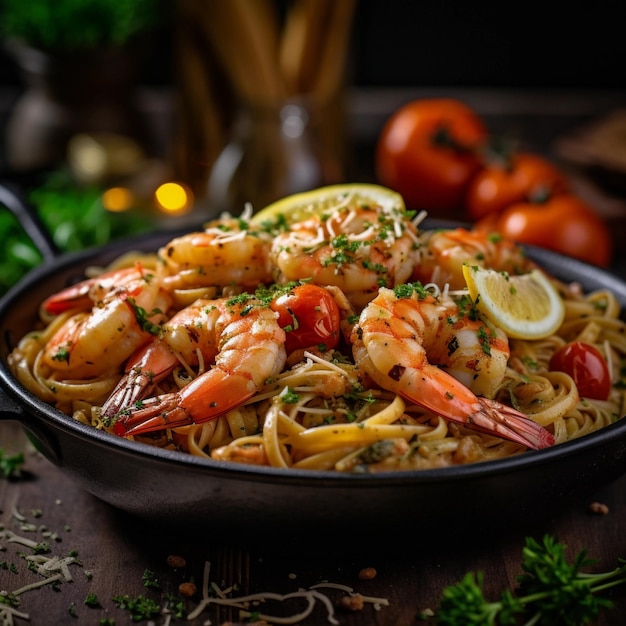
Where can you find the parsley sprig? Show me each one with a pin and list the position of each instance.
(551, 592)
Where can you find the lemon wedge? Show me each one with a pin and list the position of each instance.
(527, 306)
(301, 206)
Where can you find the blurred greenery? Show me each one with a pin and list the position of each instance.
(66, 25)
(74, 216)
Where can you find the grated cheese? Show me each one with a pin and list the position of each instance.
(36, 585)
(311, 596)
(7, 613)
(53, 569)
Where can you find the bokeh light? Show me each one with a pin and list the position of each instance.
(118, 199)
(173, 198)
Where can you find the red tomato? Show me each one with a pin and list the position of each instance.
(428, 151)
(588, 368)
(310, 317)
(520, 178)
(564, 223)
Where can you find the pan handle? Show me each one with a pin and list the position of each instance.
(43, 440)
(9, 409)
(26, 215)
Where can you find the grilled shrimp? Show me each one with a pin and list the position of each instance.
(84, 294)
(355, 248)
(120, 319)
(426, 350)
(248, 347)
(226, 252)
(187, 337)
(442, 254)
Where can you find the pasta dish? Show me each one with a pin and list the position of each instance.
(342, 340)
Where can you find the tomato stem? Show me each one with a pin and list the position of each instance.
(443, 138)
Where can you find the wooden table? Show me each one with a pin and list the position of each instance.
(116, 552)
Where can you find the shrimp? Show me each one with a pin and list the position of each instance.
(443, 253)
(187, 337)
(249, 348)
(398, 332)
(83, 294)
(124, 317)
(355, 248)
(227, 252)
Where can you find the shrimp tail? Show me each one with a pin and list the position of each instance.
(204, 399)
(152, 414)
(76, 296)
(149, 365)
(446, 396)
(82, 295)
(499, 419)
(435, 390)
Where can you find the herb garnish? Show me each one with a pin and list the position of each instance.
(140, 607)
(10, 465)
(551, 592)
(142, 317)
(150, 579)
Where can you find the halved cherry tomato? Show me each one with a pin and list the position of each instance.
(563, 223)
(428, 151)
(588, 368)
(520, 177)
(310, 317)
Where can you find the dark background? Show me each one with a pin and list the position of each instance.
(517, 44)
(424, 43)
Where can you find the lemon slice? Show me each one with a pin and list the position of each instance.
(300, 206)
(527, 306)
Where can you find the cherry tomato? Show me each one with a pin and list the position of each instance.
(310, 317)
(428, 151)
(521, 177)
(564, 223)
(588, 368)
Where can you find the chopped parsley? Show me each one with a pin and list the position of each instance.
(142, 317)
(62, 354)
(92, 601)
(11, 465)
(150, 579)
(484, 340)
(140, 607)
(290, 397)
(408, 289)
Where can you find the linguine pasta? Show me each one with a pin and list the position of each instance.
(320, 413)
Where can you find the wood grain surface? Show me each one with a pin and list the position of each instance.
(118, 552)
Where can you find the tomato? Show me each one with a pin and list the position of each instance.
(588, 368)
(520, 177)
(310, 317)
(563, 223)
(428, 151)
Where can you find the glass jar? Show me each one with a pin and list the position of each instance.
(274, 151)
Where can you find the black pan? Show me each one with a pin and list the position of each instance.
(172, 487)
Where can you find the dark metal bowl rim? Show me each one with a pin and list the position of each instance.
(36, 410)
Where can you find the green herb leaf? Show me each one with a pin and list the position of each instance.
(11, 465)
(140, 607)
(551, 592)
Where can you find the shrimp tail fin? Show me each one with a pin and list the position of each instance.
(148, 366)
(153, 414)
(498, 419)
(76, 296)
(204, 399)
